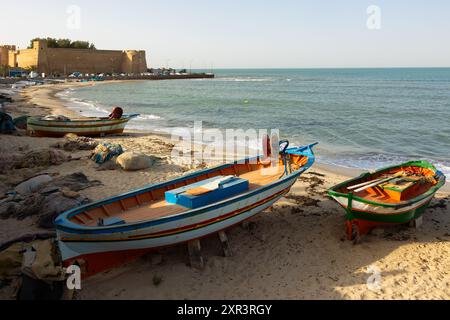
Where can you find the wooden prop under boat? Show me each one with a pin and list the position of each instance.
(38, 127)
(106, 233)
(392, 195)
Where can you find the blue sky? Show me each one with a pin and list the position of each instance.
(246, 33)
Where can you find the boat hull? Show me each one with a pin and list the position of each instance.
(44, 128)
(74, 247)
(98, 248)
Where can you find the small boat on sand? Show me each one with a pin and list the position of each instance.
(393, 195)
(59, 127)
(106, 233)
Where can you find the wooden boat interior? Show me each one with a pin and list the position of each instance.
(397, 185)
(150, 203)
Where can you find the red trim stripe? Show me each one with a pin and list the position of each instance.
(186, 228)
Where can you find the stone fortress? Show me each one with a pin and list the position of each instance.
(64, 61)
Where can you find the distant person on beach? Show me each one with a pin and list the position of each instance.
(116, 114)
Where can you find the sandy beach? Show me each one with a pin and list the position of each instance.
(294, 250)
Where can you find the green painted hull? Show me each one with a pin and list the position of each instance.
(381, 212)
(401, 218)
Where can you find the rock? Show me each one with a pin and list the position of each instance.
(70, 194)
(132, 161)
(33, 184)
(108, 165)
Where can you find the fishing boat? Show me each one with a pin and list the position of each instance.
(393, 195)
(59, 127)
(106, 233)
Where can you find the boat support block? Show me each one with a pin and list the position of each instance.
(195, 255)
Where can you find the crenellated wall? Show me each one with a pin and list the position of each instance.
(66, 61)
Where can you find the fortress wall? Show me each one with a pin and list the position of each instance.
(134, 62)
(26, 58)
(66, 61)
(4, 56)
(5, 53)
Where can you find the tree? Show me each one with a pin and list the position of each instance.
(64, 43)
(4, 71)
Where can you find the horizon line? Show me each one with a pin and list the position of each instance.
(303, 68)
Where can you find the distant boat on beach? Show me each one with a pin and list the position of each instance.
(59, 127)
(104, 234)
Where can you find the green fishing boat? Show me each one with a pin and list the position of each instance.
(393, 195)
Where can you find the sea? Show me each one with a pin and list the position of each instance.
(362, 118)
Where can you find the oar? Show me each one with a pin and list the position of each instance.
(399, 174)
(364, 183)
(375, 180)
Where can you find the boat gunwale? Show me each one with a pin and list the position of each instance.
(421, 163)
(62, 222)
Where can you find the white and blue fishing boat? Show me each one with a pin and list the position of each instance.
(104, 234)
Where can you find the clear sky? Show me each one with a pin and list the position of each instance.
(245, 33)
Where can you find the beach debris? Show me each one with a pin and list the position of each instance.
(45, 264)
(105, 152)
(42, 272)
(8, 161)
(5, 98)
(33, 289)
(49, 200)
(55, 204)
(76, 182)
(73, 142)
(303, 200)
(27, 239)
(6, 123)
(33, 184)
(11, 261)
(21, 122)
(133, 161)
(43, 157)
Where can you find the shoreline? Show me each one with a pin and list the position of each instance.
(294, 250)
(61, 109)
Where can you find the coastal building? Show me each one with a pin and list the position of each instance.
(64, 61)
